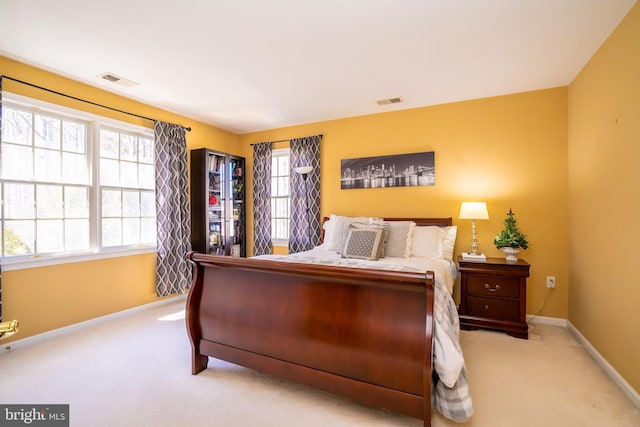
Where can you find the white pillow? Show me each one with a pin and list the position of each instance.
(427, 241)
(329, 230)
(399, 240)
(341, 230)
(449, 241)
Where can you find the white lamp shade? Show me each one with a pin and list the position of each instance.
(303, 170)
(474, 210)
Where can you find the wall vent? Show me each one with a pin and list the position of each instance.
(388, 101)
(113, 78)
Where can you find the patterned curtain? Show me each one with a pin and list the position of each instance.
(262, 199)
(304, 225)
(172, 210)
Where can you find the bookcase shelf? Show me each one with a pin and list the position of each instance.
(217, 203)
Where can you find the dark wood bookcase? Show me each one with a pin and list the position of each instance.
(218, 224)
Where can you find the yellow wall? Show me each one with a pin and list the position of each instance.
(604, 174)
(509, 151)
(47, 298)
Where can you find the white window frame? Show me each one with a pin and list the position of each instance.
(281, 152)
(95, 122)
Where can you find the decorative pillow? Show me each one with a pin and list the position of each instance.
(449, 241)
(341, 230)
(385, 238)
(427, 241)
(375, 224)
(399, 240)
(363, 243)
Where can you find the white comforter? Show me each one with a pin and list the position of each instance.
(451, 393)
(445, 270)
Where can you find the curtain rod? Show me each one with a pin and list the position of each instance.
(188, 129)
(283, 140)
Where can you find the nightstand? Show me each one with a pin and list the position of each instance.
(493, 295)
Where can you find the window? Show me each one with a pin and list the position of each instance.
(127, 189)
(63, 193)
(280, 196)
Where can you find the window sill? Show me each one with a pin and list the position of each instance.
(43, 261)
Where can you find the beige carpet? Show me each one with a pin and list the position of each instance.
(135, 371)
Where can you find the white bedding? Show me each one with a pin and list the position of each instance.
(444, 270)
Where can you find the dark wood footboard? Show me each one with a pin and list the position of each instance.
(363, 334)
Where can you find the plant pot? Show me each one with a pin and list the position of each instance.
(511, 253)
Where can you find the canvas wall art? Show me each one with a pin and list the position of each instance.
(398, 170)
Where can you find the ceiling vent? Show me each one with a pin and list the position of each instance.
(113, 78)
(389, 101)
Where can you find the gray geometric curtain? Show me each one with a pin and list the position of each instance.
(262, 199)
(304, 223)
(172, 210)
(0, 157)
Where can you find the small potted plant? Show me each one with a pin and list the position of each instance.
(510, 239)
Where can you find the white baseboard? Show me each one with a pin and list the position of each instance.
(34, 339)
(600, 360)
(606, 367)
(542, 320)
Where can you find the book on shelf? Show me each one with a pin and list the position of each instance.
(214, 163)
(235, 250)
(214, 238)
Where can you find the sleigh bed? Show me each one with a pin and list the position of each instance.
(362, 332)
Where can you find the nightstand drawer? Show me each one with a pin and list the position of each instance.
(493, 307)
(491, 286)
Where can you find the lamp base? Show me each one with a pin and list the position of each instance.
(467, 256)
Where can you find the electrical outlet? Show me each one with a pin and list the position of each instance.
(551, 281)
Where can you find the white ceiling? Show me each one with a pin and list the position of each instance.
(249, 65)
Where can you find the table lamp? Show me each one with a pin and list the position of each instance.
(473, 211)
